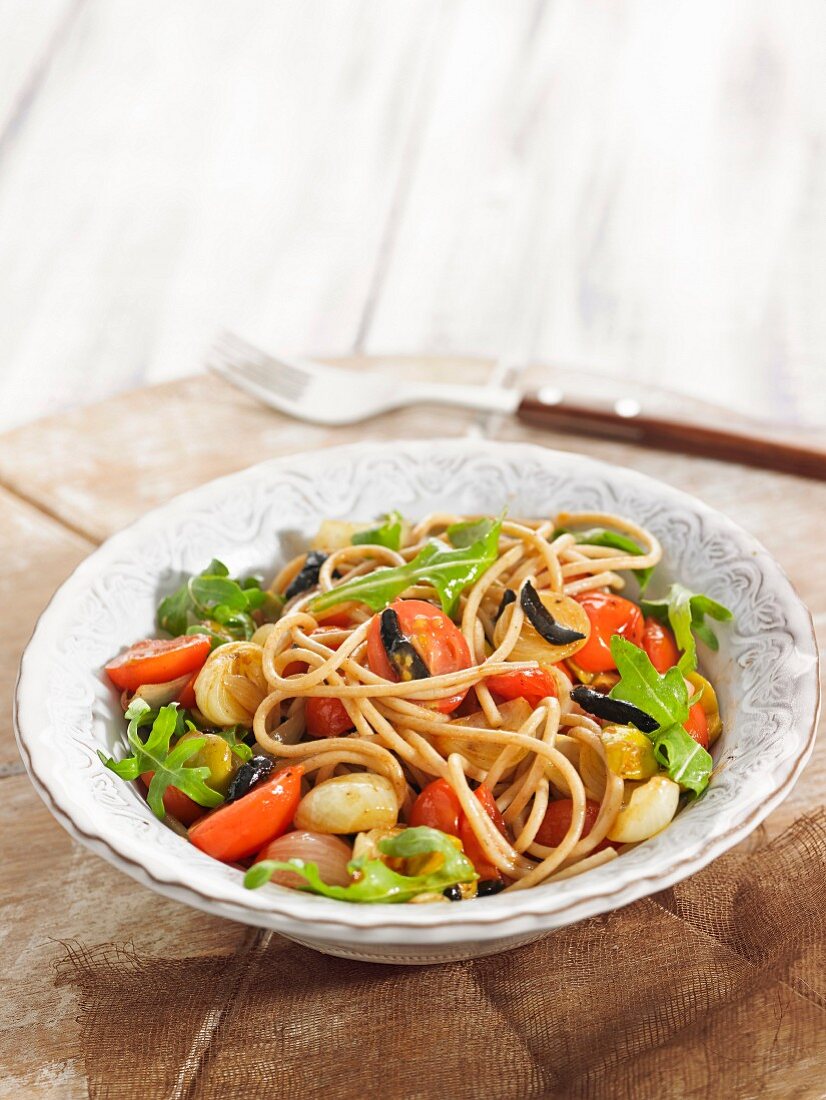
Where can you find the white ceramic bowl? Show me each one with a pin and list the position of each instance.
(765, 674)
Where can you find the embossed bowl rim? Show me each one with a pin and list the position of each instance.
(132, 840)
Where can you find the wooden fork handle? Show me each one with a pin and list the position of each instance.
(624, 420)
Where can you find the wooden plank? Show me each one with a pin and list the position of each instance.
(593, 198)
(215, 164)
(37, 555)
(55, 891)
(123, 456)
(636, 188)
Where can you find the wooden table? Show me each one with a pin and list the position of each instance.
(68, 483)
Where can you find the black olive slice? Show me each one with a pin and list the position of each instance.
(508, 597)
(613, 710)
(543, 621)
(489, 886)
(453, 893)
(250, 772)
(401, 653)
(307, 577)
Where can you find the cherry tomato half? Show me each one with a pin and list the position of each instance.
(658, 642)
(338, 617)
(486, 870)
(533, 684)
(326, 717)
(295, 668)
(438, 806)
(697, 724)
(609, 615)
(175, 802)
(557, 822)
(187, 696)
(239, 829)
(156, 661)
(437, 640)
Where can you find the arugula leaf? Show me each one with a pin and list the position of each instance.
(387, 534)
(270, 604)
(465, 534)
(211, 593)
(173, 612)
(375, 881)
(237, 623)
(213, 599)
(234, 737)
(449, 571)
(685, 611)
(155, 755)
(666, 699)
(601, 536)
(684, 760)
(217, 635)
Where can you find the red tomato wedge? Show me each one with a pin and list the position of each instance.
(532, 684)
(557, 822)
(438, 641)
(438, 806)
(326, 718)
(187, 696)
(697, 724)
(609, 615)
(658, 642)
(469, 705)
(295, 668)
(486, 870)
(177, 803)
(485, 796)
(241, 828)
(336, 618)
(156, 661)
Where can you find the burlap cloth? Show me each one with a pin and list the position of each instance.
(715, 988)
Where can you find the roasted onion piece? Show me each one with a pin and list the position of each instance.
(231, 684)
(329, 853)
(531, 646)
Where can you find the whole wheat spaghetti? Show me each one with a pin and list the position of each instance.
(440, 710)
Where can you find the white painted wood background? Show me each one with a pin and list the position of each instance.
(637, 186)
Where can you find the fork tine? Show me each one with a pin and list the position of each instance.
(235, 348)
(263, 368)
(299, 371)
(289, 383)
(231, 349)
(266, 393)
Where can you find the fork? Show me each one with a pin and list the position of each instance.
(311, 391)
(333, 395)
